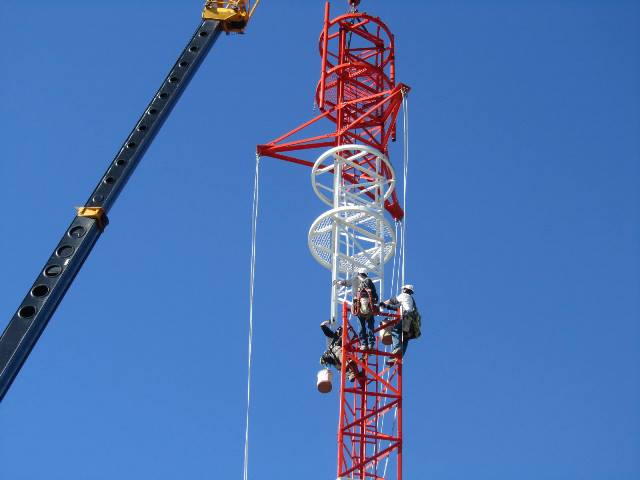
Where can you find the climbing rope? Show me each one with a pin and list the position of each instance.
(395, 264)
(386, 460)
(395, 280)
(395, 273)
(252, 276)
(396, 276)
(405, 153)
(384, 401)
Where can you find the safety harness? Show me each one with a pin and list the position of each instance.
(363, 304)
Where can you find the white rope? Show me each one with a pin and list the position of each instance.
(395, 277)
(400, 279)
(405, 171)
(385, 400)
(252, 276)
(397, 272)
(393, 426)
(393, 270)
(405, 127)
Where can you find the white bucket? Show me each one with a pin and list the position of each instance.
(385, 334)
(325, 376)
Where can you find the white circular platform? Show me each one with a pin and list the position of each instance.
(366, 239)
(369, 176)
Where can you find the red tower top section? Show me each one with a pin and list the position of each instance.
(357, 93)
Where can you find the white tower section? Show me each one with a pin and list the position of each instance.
(355, 180)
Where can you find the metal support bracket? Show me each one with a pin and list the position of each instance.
(97, 213)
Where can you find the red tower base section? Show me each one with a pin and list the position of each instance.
(370, 425)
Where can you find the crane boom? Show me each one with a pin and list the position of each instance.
(51, 284)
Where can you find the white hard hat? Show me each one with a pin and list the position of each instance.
(362, 270)
(407, 287)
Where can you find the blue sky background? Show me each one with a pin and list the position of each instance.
(523, 242)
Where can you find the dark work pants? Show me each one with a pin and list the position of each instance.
(366, 321)
(399, 339)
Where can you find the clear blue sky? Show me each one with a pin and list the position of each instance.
(523, 242)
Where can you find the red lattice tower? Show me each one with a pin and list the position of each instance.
(358, 97)
(370, 422)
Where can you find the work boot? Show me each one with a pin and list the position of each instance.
(394, 359)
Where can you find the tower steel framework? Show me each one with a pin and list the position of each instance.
(358, 95)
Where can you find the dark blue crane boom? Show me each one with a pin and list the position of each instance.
(44, 296)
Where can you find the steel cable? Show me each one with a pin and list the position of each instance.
(405, 172)
(405, 153)
(252, 276)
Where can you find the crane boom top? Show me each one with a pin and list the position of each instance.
(233, 14)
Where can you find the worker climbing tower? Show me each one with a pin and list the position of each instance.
(357, 96)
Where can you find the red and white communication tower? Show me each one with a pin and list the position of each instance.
(358, 97)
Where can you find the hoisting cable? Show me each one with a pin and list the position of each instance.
(253, 9)
(395, 265)
(393, 426)
(405, 172)
(405, 153)
(252, 276)
(395, 284)
(395, 277)
(395, 270)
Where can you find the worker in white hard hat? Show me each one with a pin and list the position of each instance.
(365, 301)
(408, 327)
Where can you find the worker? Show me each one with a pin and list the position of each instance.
(333, 354)
(365, 300)
(408, 327)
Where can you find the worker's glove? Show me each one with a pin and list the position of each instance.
(338, 282)
(382, 305)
